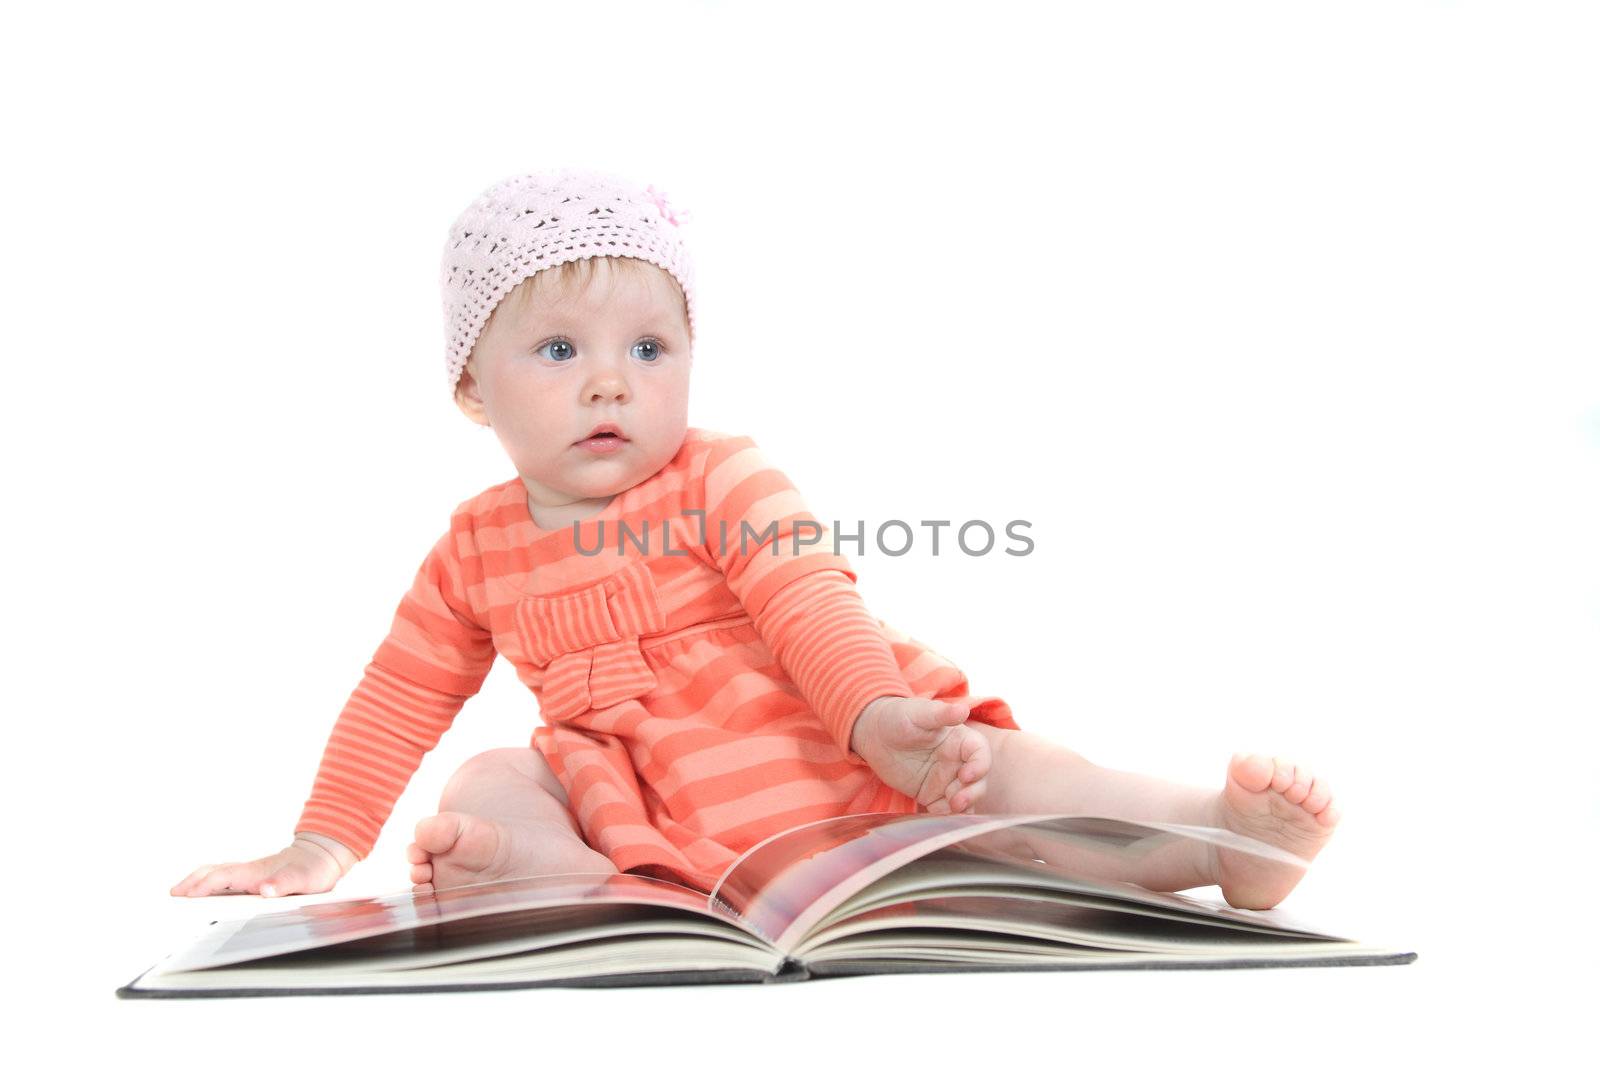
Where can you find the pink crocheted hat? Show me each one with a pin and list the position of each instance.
(524, 224)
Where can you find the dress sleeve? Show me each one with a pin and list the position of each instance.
(785, 568)
(436, 655)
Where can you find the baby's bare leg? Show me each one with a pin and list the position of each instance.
(503, 814)
(1269, 800)
(1032, 775)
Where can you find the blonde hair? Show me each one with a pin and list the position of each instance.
(577, 275)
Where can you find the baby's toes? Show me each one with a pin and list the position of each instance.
(1252, 773)
(1318, 797)
(421, 873)
(1282, 775)
(1300, 787)
(1328, 817)
(437, 834)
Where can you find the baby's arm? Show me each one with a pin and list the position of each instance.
(436, 655)
(800, 593)
(798, 590)
(819, 628)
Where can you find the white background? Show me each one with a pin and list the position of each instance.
(1276, 321)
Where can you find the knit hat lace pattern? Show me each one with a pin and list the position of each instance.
(530, 222)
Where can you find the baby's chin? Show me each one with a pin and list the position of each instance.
(575, 472)
(609, 474)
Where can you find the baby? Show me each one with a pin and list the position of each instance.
(707, 674)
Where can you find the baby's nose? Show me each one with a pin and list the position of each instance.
(608, 380)
(609, 389)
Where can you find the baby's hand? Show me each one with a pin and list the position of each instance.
(314, 863)
(924, 749)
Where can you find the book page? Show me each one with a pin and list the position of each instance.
(785, 885)
(334, 922)
(782, 879)
(1101, 857)
(965, 870)
(1006, 924)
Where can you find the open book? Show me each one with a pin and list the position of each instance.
(858, 894)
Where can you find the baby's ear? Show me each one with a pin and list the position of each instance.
(468, 399)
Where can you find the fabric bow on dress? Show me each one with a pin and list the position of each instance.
(587, 642)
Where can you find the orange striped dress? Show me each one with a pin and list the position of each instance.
(697, 690)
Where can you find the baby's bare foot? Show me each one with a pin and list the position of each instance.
(453, 848)
(1282, 804)
(925, 749)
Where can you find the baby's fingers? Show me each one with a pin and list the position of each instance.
(959, 798)
(970, 749)
(228, 878)
(965, 800)
(966, 752)
(933, 716)
(296, 878)
(183, 887)
(976, 756)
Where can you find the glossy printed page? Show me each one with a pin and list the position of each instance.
(782, 878)
(335, 922)
(1047, 927)
(784, 886)
(954, 871)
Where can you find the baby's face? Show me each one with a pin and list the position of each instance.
(546, 371)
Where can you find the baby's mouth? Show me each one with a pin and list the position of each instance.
(606, 431)
(605, 439)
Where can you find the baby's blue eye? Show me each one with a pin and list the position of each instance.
(561, 350)
(565, 345)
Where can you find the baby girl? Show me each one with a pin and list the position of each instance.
(707, 674)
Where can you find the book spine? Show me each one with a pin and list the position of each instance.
(793, 970)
